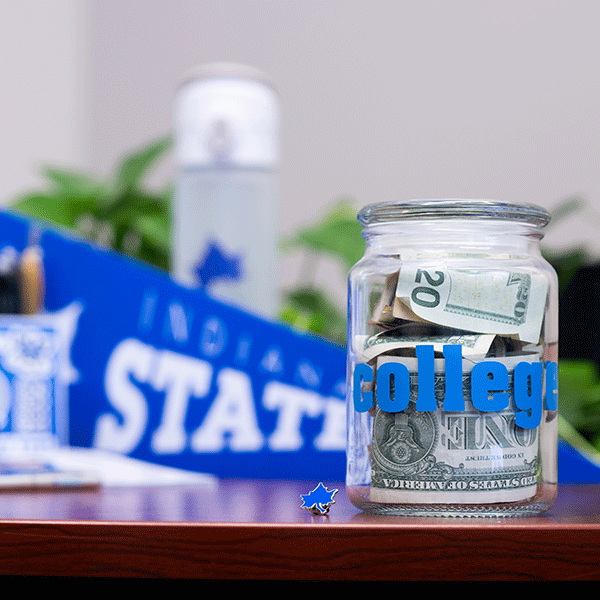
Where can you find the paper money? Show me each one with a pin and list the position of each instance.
(450, 457)
(390, 311)
(500, 302)
(382, 314)
(466, 457)
(368, 347)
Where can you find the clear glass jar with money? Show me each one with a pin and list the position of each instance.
(452, 361)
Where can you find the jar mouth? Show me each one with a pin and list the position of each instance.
(395, 211)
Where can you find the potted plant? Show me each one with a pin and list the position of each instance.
(120, 213)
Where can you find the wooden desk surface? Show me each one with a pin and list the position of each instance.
(257, 530)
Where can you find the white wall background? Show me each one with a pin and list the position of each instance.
(380, 100)
(43, 78)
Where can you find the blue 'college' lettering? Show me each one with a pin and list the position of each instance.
(489, 386)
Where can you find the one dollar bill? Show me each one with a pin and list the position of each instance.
(465, 457)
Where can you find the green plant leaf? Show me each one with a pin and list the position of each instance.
(155, 228)
(569, 434)
(72, 184)
(54, 209)
(579, 386)
(337, 234)
(136, 165)
(125, 208)
(566, 207)
(311, 310)
(566, 264)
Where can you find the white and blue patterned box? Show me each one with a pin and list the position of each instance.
(33, 391)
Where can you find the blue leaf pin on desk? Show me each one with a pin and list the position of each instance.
(319, 500)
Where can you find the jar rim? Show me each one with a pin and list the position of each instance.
(395, 211)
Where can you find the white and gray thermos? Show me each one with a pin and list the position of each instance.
(226, 153)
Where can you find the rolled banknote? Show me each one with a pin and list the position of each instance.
(368, 347)
(390, 312)
(383, 312)
(491, 302)
(443, 457)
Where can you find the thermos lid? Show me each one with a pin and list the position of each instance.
(226, 114)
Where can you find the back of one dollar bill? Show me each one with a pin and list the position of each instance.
(465, 457)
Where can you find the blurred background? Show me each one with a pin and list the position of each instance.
(379, 100)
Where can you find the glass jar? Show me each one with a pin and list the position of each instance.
(452, 361)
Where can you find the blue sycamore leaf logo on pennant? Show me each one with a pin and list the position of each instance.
(218, 264)
(319, 500)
